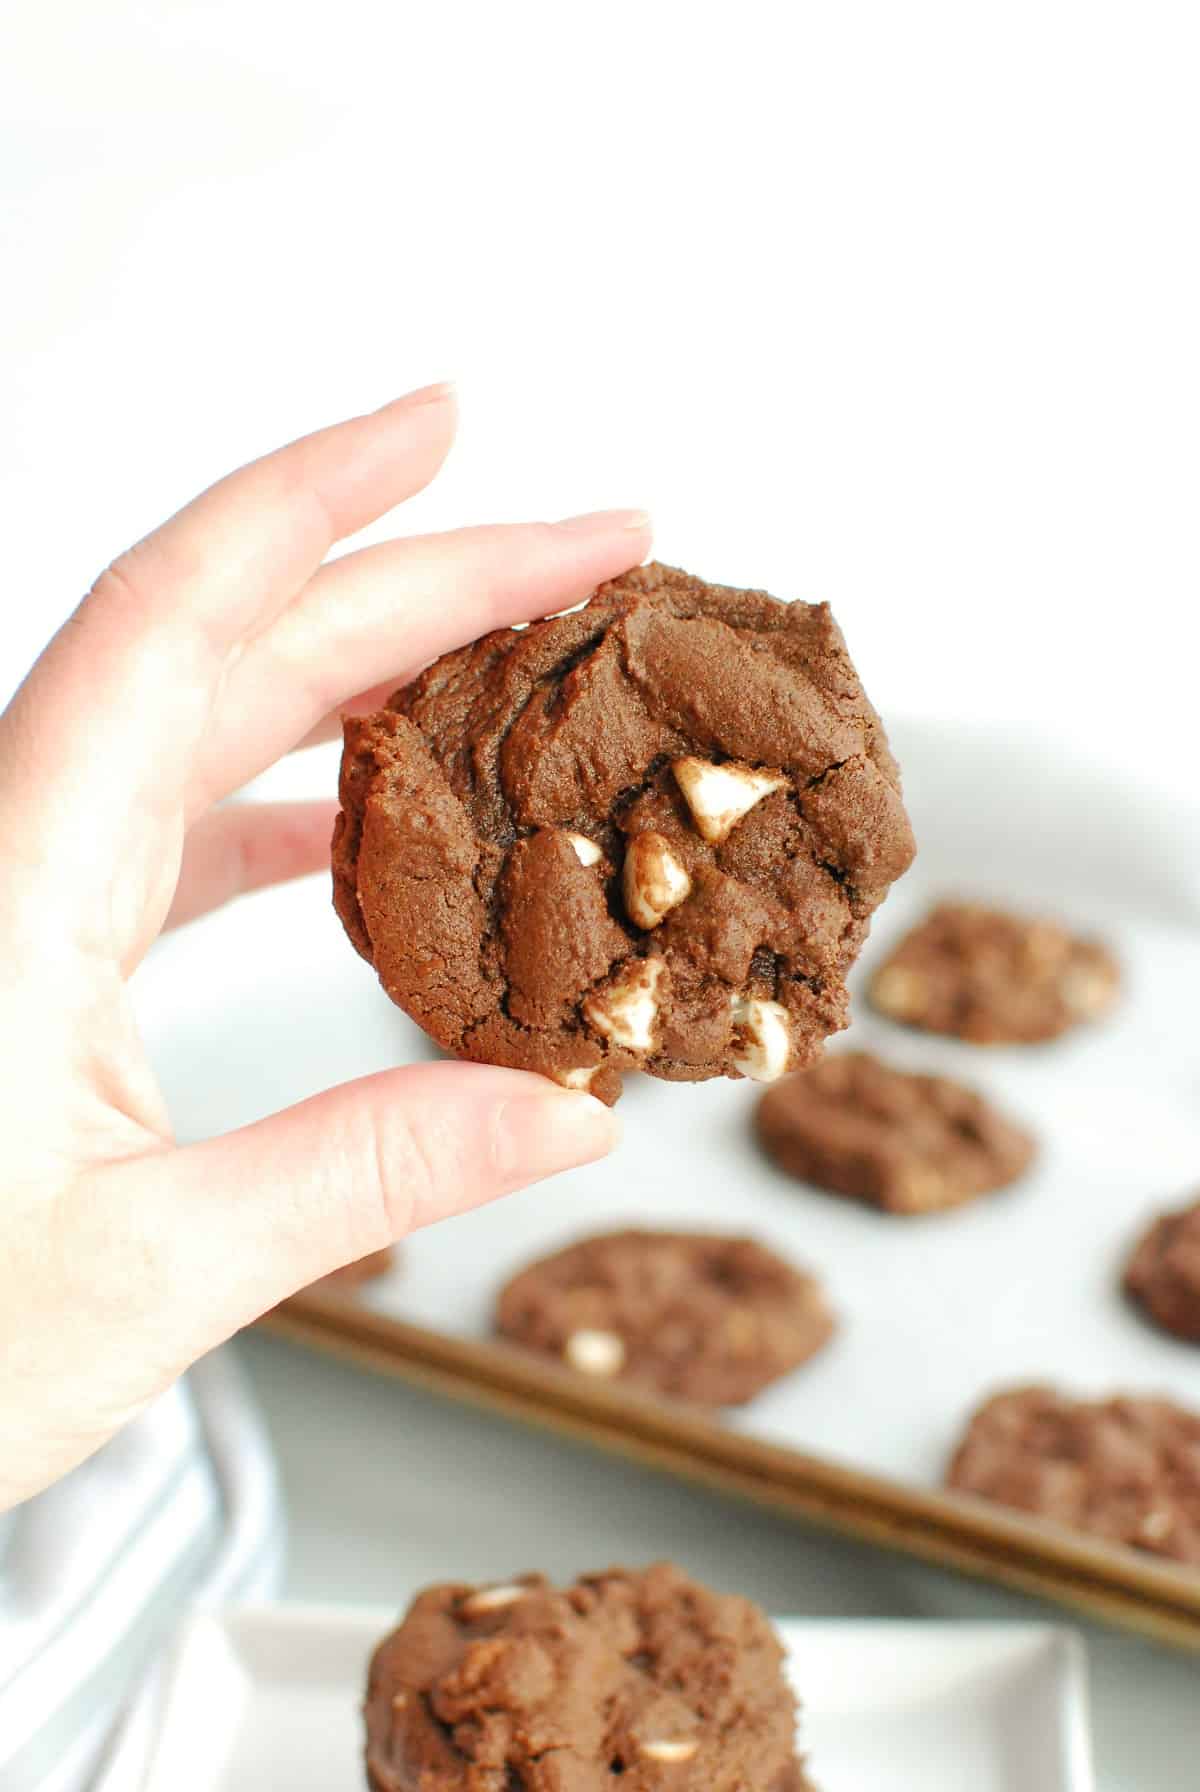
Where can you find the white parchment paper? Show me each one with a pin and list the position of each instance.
(266, 1003)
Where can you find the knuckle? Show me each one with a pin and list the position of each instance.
(406, 1168)
(123, 585)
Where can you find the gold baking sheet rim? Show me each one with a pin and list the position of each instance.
(1107, 1583)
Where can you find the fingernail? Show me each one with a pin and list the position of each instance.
(535, 1135)
(604, 522)
(430, 394)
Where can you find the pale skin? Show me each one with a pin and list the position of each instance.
(203, 654)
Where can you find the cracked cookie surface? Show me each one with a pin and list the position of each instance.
(1126, 1468)
(647, 1676)
(903, 1142)
(995, 978)
(701, 1316)
(648, 834)
(1163, 1273)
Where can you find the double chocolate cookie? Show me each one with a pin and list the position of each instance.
(647, 1676)
(1127, 1469)
(995, 978)
(1163, 1274)
(905, 1143)
(363, 1269)
(648, 834)
(704, 1317)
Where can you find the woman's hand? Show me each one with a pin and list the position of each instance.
(198, 658)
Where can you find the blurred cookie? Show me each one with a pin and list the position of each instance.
(364, 1269)
(647, 1676)
(1163, 1274)
(645, 835)
(994, 978)
(704, 1317)
(902, 1142)
(1126, 1468)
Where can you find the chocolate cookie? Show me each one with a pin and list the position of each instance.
(1163, 1274)
(648, 835)
(1127, 1469)
(648, 1676)
(363, 1269)
(905, 1143)
(708, 1318)
(994, 978)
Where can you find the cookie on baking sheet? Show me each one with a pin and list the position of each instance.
(645, 835)
(698, 1315)
(1163, 1274)
(1126, 1468)
(363, 1269)
(902, 1142)
(994, 978)
(526, 1687)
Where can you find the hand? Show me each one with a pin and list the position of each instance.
(199, 657)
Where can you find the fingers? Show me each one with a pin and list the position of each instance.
(148, 649)
(160, 1257)
(246, 846)
(382, 613)
(233, 558)
(363, 703)
(223, 1230)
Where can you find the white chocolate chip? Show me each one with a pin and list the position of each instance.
(595, 1353)
(626, 1009)
(899, 992)
(586, 851)
(762, 1038)
(719, 795)
(490, 1599)
(920, 1189)
(678, 1749)
(1155, 1526)
(579, 1078)
(1087, 992)
(1045, 946)
(655, 881)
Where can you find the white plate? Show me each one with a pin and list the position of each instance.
(270, 1698)
(267, 1002)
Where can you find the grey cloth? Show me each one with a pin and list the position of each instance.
(181, 1510)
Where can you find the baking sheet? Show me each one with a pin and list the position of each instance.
(266, 1003)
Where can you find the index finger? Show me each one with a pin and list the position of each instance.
(148, 648)
(229, 561)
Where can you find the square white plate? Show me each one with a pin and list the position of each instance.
(269, 1698)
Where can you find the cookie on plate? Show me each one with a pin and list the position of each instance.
(995, 978)
(1163, 1274)
(644, 1675)
(902, 1142)
(1125, 1468)
(645, 835)
(701, 1316)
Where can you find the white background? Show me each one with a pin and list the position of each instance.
(892, 304)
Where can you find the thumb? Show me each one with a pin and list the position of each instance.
(232, 1226)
